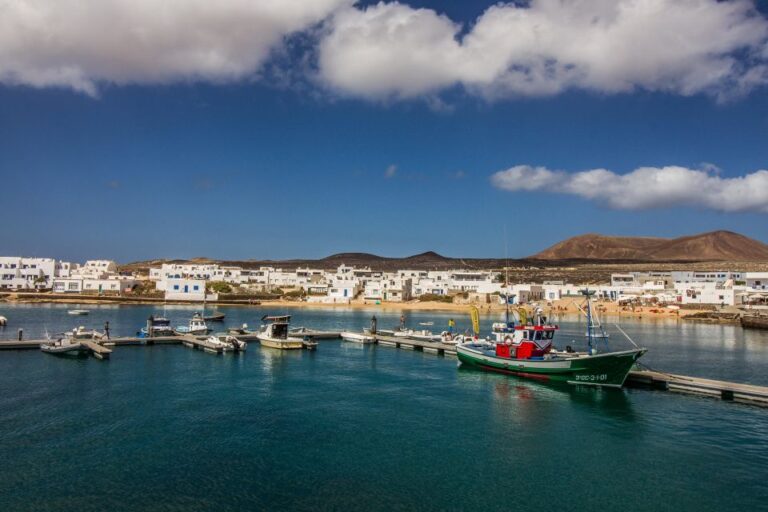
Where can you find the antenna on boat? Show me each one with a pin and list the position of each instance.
(626, 335)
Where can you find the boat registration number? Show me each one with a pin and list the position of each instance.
(592, 378)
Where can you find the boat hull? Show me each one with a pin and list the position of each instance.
(754, 322)
(74, 349)
(609, 369)
(282, 344)
(355, 337)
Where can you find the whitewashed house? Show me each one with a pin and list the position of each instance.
(17, 273)
(187, 289)
(757, 281)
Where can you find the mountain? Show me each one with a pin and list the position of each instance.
(713, 246)
(576, 251)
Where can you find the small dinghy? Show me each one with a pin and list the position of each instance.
(228, 343)
(78, 312)
(215, 317)
(217, 344)
(242, 330)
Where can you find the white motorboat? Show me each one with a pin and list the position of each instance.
(358, 337)
(156, 326)
(217, 344)
(78, 312)
(63, 345)
(274, 334)
(228, 343)
(421, 335)
(3, 321)
(196, 326)
(81, 333)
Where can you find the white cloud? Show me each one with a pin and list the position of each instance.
(391, 50)
(645, 187)
(390, 171)
(78, 44)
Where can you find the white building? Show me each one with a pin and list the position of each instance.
(182, 271)
(96, 269)
(756, 280)
(187, 289)
(17, 273)
(112, 285)
(709, 293)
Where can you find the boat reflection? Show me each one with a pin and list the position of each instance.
(520, 396)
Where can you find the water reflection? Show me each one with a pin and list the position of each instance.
(529, 400)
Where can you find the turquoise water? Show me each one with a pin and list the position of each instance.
(368, 428)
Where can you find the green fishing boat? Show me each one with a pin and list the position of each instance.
(525, 349)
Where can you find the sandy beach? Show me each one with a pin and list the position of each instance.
(565, 306)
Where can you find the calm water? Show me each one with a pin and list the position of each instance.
(368, 428)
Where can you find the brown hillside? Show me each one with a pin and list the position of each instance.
(713, 246)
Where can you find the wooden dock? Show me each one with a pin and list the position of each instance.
(98, 351)
(757, 395)
(432, 347)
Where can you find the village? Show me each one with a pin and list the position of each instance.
(201, 282)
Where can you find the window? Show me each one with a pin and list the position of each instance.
(196, 288)
(175, 287)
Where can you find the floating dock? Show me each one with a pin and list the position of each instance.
(757, 395)
(747, 393)
(433, 347)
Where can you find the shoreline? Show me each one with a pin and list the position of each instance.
(566, 306)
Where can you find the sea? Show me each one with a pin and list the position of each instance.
(351, 427)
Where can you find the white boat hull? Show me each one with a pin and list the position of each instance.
(357, 337)
(282, 344)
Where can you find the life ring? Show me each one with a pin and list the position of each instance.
(508, 339)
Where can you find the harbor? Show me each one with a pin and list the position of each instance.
(278, 406)
(640, 377)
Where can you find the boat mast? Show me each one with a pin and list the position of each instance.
(587, 293)
(506, 278)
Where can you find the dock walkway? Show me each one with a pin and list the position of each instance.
(98, 351)
(412, 344)
(757, 395)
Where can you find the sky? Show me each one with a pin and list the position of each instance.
(302, 128)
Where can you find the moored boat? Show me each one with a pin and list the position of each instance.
(156, 326)
(357, 337)
(81, 333)
(196, 326)
(215, 317)
(314, 333)
(65, 344)
(229, 342)
(526, 350)
(754, 321)
(274, 333)
(78, 312)
(608, 369)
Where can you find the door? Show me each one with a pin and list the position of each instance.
(186, 288)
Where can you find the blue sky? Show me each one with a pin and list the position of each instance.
(279, 165)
